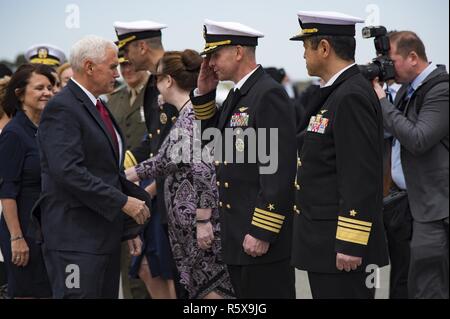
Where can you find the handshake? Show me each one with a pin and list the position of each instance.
(137, 209)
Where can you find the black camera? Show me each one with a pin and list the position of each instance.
(382, 66)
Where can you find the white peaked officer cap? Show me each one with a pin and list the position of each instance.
(128, 32)
(218, 34)
(45, 54)
(315, 23)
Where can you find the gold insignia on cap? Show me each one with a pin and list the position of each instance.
(124, 42)
(42, 53)
(216, 44)
(310, 31)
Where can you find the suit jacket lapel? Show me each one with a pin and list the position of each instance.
(87, 103)
(119, 131)
(433, 74)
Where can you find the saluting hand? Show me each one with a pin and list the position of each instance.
(207, 78)
(255, 247)
(347, 263)
(137, 210)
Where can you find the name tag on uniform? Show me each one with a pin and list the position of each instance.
(318, 124)
(239, 119)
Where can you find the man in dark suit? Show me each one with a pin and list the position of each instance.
(255, 203)
(338, 229)
(85, 197)
(419, 123)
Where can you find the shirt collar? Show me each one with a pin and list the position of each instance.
(422, 76)
(24, 120)
(337, 75)
(241, 83)
(89, 94)
(140, 87)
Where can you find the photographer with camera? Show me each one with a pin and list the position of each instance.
(418, 121)
(396, 212)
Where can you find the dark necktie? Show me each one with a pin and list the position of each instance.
(406, 98)
(108, 123)
(235, 96)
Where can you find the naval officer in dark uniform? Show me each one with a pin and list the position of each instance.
(338, 229)
(255, 199)
(141, 42)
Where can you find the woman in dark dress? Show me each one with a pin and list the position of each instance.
(190, 186)
(27, 93)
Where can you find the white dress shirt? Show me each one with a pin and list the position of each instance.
(335, 77)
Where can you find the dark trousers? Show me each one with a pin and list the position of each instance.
(429, 268)
(398, 224)
(98, 275)
(345, 285)
(266, 281)
(2, 273)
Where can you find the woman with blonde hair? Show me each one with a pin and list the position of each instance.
(64, 73)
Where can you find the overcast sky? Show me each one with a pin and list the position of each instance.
(63, 22)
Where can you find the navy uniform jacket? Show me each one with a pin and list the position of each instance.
(250, 202)
(83, 186)
(340, 178)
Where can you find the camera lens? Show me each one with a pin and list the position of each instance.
(370, 71)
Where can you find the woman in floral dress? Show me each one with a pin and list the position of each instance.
(190, 186)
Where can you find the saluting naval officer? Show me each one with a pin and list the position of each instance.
(255, 206)
(338, 228)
